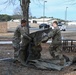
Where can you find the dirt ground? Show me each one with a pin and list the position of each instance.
(9, 68)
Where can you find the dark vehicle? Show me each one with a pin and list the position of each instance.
(44, 26)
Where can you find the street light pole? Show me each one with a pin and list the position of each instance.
(44, 10)
(66, 14)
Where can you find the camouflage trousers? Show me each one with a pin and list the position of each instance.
(21, 53)
(56, 51)
(16, 51)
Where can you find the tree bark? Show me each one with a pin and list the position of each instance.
(25, 8)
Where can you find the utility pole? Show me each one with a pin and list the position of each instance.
(44, 11)
(66, 15)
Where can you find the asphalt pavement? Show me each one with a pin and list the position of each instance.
(68, 28)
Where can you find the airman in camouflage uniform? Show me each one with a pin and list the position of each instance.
(56, 46)
(21, 41)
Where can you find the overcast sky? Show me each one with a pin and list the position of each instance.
(54, 8)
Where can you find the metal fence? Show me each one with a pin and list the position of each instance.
(69, 45)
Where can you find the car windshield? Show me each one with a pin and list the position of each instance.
(43, 24)
(59, 25)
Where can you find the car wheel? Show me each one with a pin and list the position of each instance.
(40, 27)
(64, 30)
(48, 26)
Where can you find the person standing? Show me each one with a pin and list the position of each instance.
(56, 45)
(20, 41)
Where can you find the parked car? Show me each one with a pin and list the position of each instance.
(43, 25)
(62, 27)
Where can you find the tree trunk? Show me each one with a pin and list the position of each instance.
(25, 8)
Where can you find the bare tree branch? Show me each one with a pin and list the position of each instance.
(71, 2)
(7, 3)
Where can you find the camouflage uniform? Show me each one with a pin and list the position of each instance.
(56, 46)
(20, 43)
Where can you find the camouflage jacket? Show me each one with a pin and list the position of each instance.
(55, 34)
(18, 34)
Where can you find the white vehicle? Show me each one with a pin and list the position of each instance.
(62, 27)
